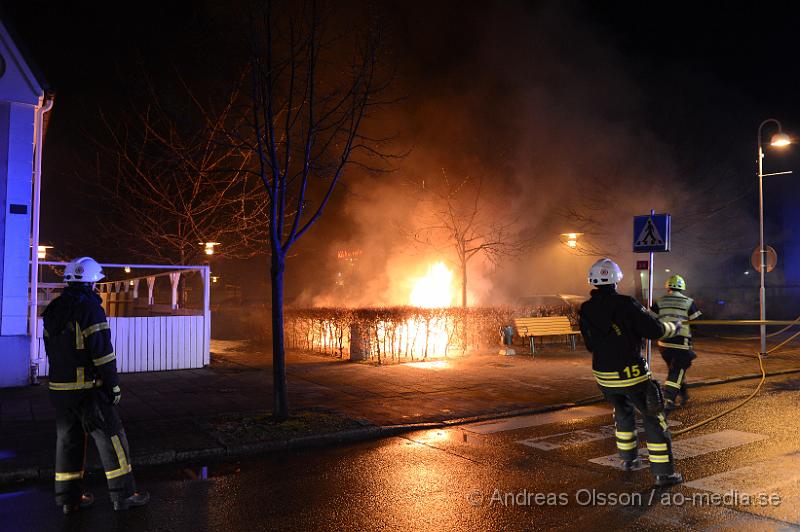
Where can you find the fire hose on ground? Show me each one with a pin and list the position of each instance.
(787, 323)
(739, 322)
(760, 358)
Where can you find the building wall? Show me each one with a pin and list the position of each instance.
(789, 259)
(17, 83)
(15, 364)
(5, 108)
(16, 146)
(18, 220)
(20, 93)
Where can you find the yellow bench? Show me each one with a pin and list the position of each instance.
(545, 326)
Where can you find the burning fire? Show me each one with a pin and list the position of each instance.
(435, 290)
(428, 336)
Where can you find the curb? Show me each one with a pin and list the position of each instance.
(515, 413)
(234, 451)
(339, 438)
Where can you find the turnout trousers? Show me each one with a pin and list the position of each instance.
(74, 424)
(678, 363)
(626, 401)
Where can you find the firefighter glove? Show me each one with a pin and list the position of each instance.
(116, 395)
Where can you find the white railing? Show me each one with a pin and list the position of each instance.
(160, 337)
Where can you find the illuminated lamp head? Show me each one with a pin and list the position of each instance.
(780, 140)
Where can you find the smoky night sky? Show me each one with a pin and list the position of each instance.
(611, 108)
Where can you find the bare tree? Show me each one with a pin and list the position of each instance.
(462, 217)
(311, 92)
(170, 178)
(704, 215)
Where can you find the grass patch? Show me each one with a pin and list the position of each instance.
(235, 429)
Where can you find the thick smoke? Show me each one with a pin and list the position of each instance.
(545, 110)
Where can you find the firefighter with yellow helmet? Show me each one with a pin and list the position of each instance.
(677, 351)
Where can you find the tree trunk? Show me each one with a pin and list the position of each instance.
(464, 283)
(280, 399)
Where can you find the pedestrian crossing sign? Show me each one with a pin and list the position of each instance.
(651, 233)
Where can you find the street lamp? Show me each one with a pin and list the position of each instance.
(779, 140)
(209, 247)
(41, 254)
(571, 239)
(41, 251)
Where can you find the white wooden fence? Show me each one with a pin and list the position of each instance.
(152, 343)
(147, 343)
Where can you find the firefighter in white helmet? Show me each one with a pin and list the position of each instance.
(613, 326)
(677, 351)
(85, 391)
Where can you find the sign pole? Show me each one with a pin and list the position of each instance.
(650, 296)
(651, 234)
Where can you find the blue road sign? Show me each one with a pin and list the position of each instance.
(651, 233)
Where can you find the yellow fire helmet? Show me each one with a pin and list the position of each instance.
(675, 282)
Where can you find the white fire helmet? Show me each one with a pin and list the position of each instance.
(604, 271)
(83, 270)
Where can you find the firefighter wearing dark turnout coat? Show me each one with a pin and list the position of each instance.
(84, 389)
(613, 326)
(677, 351)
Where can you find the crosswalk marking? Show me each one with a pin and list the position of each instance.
(691, 447)
(535, 420)
(779, 475)
(717, 441)
(761, 477)
(576, 437)
(566, 439)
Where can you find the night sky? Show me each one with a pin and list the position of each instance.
(694, 78)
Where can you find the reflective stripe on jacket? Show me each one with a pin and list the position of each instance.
(612, 326)
(674, 307)
(78, 343)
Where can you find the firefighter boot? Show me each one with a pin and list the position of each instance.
(140, 498)
(87, 499)
(630, 465)
(662, 481)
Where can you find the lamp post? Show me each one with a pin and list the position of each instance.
(779, 140)
(208, 249)
(41, 254)
(571, 239)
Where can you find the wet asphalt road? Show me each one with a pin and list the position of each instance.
(482, 477)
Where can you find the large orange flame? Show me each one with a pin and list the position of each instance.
(435, 290)
(426, 336)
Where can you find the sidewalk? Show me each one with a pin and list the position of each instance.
(164, 413)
